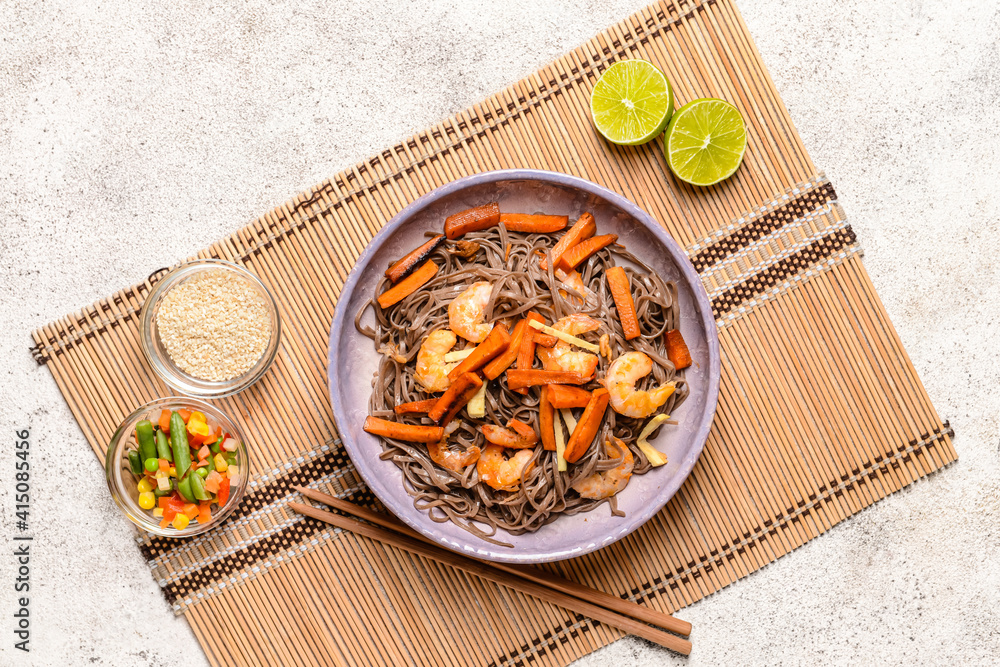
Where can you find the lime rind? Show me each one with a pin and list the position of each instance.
(705, 141)
(631, 103)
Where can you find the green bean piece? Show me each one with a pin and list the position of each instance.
(144, 433)
(135, 461)
(217, 445)
(231, 459)
(163, 446)
(211, 463)
(184, 487)
(179, 443)
(152, 465)
(198, 487)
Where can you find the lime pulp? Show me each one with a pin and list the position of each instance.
(632, 102)
(705, 141)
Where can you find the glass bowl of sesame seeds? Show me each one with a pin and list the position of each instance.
(210, 328)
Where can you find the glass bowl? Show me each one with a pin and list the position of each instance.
(156, 352)
(122, 483)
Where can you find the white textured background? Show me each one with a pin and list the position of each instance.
(133, 133)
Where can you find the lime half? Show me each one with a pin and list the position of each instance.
(705, 141)
(631, 102)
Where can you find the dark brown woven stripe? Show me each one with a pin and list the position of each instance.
(764, 280)
(805, 203)
(544, 643)
(672, 580)
(210, 573)
(261, 497)
(290, 536)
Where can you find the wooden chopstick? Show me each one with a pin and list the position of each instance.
(507, 576)
(547, 579)
(484, 571)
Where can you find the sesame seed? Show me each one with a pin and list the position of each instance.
(215, 326)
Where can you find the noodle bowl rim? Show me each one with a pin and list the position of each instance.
(545, 551)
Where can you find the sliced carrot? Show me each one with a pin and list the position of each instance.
(415, 407)
(622, 294)
(472, 220)
(503, 361)
(526, 352)
(493, 346)
(533, 224)
(498, 435)
(204, 513)
(402, 267)
(408, 285)
(164, 422)
(677, 350)
(586, 429)
(191, 510)
(459, 393)
(408, 432)
(576, 255)
(517, 379)
(582, 229)
(564, 396)
(185, 414)
(545, 420)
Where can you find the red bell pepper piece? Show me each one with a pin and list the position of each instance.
(223, 494)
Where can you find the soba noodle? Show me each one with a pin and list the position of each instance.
(509, 261)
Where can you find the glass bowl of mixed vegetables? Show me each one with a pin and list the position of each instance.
(177, 466)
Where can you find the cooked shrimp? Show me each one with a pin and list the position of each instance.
(432, 370)
(620, 381)
(465, 313)
(566, 357)
(605, 484)
(498, 435)
(452, 459)
(575, 280)
(501, 473)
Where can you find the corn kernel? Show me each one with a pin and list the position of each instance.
(146, 500)
(173, 471)
(144, 485)
(181, 521)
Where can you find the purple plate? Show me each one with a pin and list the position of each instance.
(353, 359)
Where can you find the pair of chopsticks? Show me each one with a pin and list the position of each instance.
(627, 616)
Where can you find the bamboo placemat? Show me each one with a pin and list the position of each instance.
(820, 411)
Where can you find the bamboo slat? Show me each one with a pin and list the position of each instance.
(820, 414)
